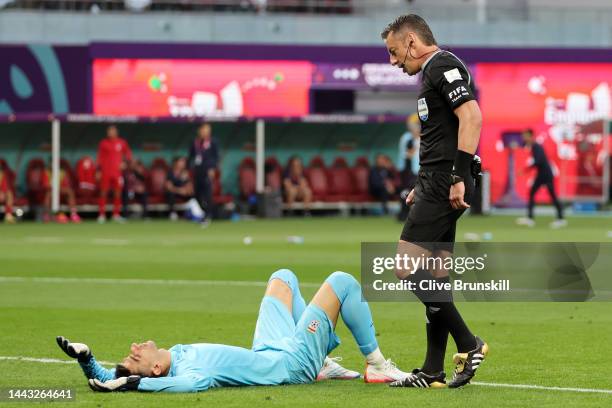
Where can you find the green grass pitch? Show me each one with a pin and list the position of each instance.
(546, 344)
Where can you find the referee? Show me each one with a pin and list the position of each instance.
(450, 128)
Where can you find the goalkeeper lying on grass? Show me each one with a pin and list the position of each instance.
(290, 346)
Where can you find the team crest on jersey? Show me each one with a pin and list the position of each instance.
(313, 326)
(423, 109)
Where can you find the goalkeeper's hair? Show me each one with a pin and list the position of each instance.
(413, 22)
(122, 371)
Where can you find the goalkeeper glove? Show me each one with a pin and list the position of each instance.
(119, 384)
(79, 351)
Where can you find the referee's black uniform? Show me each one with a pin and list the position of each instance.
(446, 85)
(431, 222)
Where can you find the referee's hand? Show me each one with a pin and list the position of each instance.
(410, 197)
(457, 192)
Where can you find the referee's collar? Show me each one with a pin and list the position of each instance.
(430, 58)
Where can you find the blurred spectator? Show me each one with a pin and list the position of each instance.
(273, 175)
(178, 185)
(137, 5)
(296, 185)
(6, 196)
(66, 192)
(262, 6)
(258, 5)
(382, 181)
(408, 158)
(86, 176)
(135, 187)
(112, 152)
(203, 160)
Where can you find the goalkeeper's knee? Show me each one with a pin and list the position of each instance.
(288, 277)
(343, 284)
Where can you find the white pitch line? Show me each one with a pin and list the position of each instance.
(46, 360)
(111, 281)
(487, 384)
(541, 387)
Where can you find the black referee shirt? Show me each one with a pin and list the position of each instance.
(446, 85)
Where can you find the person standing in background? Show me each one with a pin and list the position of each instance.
(408, 161)
(203, 160)
(408, 157)
(544, 177)
(112, 151)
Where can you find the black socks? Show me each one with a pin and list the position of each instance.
(437, 337)
(443, 318)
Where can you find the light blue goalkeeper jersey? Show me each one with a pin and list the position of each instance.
(198, 367)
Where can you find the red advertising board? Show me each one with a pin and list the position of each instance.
(560, 102)
(165, 87)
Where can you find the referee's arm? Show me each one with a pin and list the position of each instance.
(470, 123)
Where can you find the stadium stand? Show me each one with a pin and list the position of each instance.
(338, 187)
(284, 6)
(317, 144)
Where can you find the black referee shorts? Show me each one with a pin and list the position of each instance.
(431, 218)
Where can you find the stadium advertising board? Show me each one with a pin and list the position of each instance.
(362, 77)
(565, 105)
(166, 87)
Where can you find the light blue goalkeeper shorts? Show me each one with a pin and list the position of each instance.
(305, 344)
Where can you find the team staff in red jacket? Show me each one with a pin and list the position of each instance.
(112, 152)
